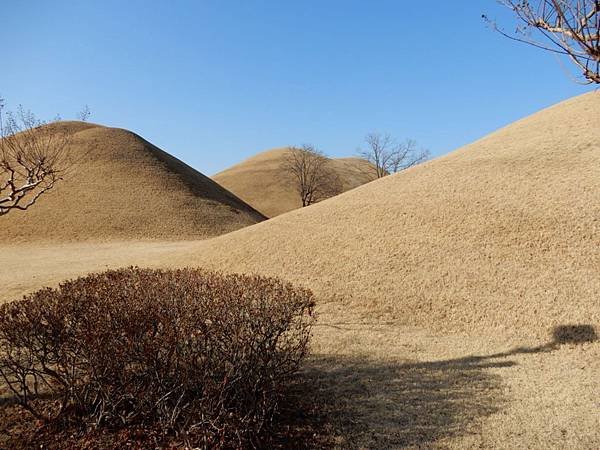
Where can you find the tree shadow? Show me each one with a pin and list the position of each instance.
(374, 404)
(359, 402)
(367, 403)
(574, 334)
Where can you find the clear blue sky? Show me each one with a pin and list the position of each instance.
(214, 82)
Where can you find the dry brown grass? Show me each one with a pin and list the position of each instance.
(261, 182)
(126, 188)
(439, 289)
(501, 235)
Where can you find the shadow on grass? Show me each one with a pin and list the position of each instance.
(358, 402)
(365, 403)
(373, 404)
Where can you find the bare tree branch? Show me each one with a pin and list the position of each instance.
(568, 27)
(32, 159)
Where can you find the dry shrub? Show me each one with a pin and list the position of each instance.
(200, 354)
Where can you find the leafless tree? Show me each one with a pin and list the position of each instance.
(388, 156)
(313, 177)
(565, 27)
(32, 159)
(84, 114)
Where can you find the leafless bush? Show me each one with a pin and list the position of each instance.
(567, 27)
(200, 354)
(387, 156)
(313, 177)
(32, 159)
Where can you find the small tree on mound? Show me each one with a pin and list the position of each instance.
(387, 156)
(32, 159)
(84, 114)
(312, 175)
(564, 27)
(204, 355)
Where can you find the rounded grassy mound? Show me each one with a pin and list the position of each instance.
(123, 187)
(261, 182)
(502, 234)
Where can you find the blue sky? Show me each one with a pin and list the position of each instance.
(214, 82)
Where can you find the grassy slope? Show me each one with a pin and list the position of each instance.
(260, 182)
(126, 188)
(501, 234)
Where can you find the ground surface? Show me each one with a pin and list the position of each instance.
(459, 301)
(261, 182)
(386, 385)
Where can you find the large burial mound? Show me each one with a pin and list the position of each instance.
(502, 234)
(123, 187)
(261, 182)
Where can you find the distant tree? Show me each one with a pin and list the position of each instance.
(388, 156)
(565, 27)
(313, 177)
(84, 114)
(32, 159)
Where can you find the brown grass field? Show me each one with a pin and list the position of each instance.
(459, 300)
(126, 188)
(261, 183)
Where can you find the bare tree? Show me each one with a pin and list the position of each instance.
(84, 114)
(388, 156)
(565, 27)
(32, 159)
(313, 177)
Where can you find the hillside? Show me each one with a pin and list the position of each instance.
(502, 234)
(123, 187)
(261, 182)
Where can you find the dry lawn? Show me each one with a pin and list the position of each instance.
(383, 385)
(261, 182)
(459, 300)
